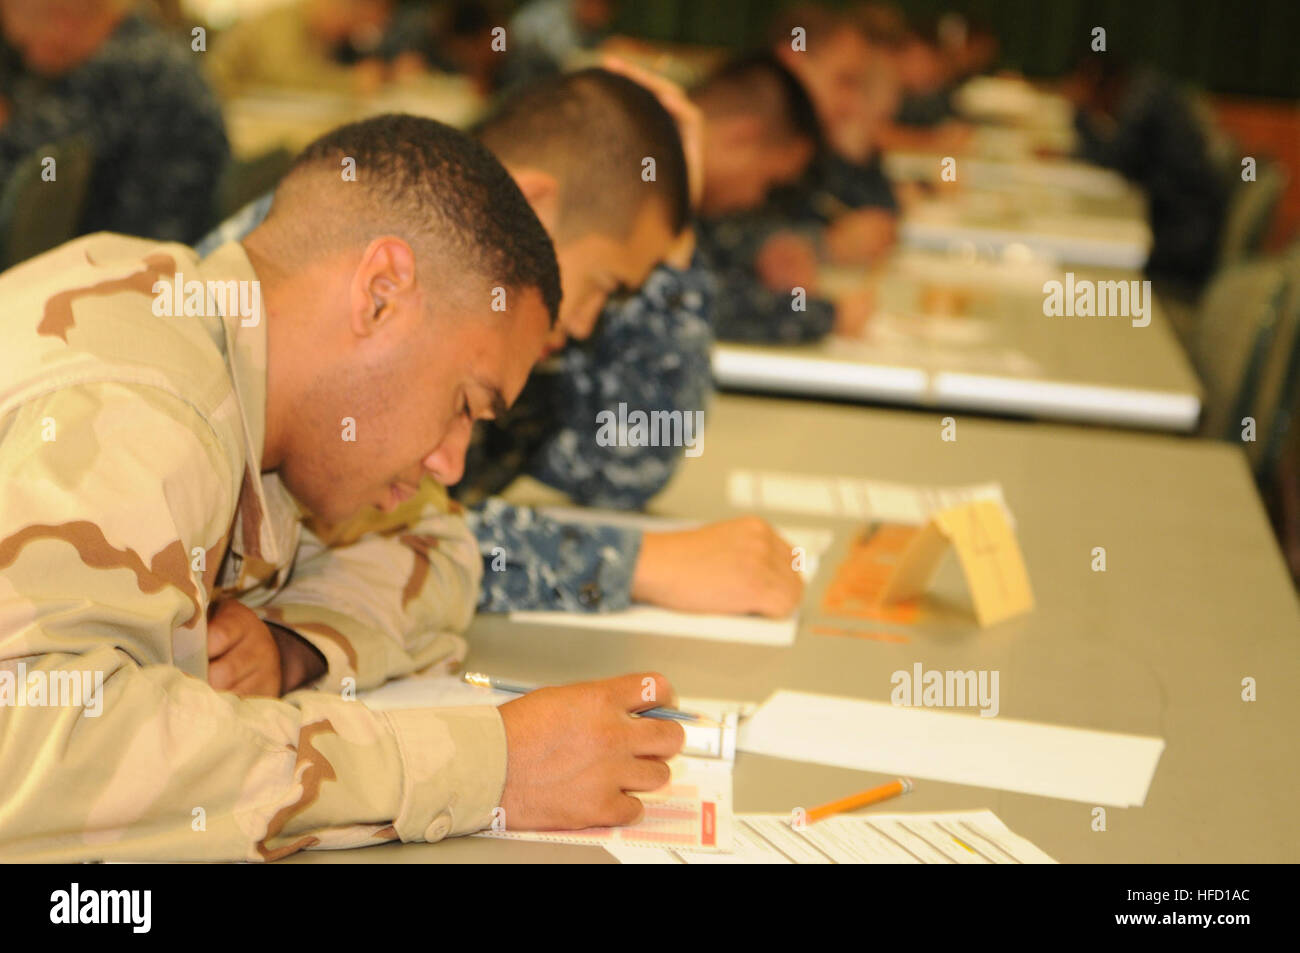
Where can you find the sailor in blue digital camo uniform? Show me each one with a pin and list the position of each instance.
(100, 74)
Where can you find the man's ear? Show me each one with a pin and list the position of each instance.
(383, 284)
(542, 190)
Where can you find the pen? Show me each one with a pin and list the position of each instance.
(514, 688)
(861, 799)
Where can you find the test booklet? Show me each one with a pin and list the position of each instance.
(962, 837)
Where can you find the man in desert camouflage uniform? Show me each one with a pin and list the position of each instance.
(162, 424)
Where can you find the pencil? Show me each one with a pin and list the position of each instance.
(515, 688)
(861, 799)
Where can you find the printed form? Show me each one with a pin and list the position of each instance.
(964, 837)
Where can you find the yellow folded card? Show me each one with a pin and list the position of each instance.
(989, 555)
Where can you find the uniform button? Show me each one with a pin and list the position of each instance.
(439, 829)
(589, 595)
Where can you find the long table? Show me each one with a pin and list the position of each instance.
(1194, 600)
(997, 353)
(1104, 232)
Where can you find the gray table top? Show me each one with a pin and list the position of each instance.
(1195, 598)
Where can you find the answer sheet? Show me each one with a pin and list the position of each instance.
(962, 837)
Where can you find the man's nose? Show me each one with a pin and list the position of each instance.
(447, 462)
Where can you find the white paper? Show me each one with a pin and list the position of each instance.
(1096, 767)
(850, 497)
(959, 837)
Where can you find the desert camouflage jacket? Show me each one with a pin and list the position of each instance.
(131, 498)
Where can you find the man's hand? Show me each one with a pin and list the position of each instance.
(248, 657)
(861, 236)
(242, 655)
(853, 311)
(574, 751)
(689, 119)
(787, 261)
(738, 567)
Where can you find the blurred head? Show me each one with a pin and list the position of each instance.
(593, 15)
(335, 21)
(464, 32)
(833, 67)
(1098, 81)
(413, 300)
(56, 36)
(922, 66)
(577, 146)
(761, 131)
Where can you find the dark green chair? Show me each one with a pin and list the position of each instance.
(36, 215)
(1239, 317)
(1277, 399)
(244, 180)
(1251, 207)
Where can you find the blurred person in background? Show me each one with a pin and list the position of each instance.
(98, 69)
(551, 32)
(760, 132)
(844, 204)
(930, 62)
(1139, 123)
(334, 45)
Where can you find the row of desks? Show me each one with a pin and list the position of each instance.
(1195, 598)
(970, 334)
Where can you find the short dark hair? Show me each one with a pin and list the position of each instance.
(435, 184)
(761, 86)
(819, 23)
(592, 130)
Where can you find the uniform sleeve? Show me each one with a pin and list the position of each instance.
(746, 310)
(533, 562)
(112, 744)
(236, 226)
(651, 352)
(750, 313)
(389, 603)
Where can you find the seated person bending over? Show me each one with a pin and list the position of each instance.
(156, 445)
(761, 132)
(845, 204)
(575, 145)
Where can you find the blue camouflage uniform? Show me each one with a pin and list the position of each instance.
(153, 125)
(746, 309)
(650, 351)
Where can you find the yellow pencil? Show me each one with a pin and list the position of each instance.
(861, 799)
